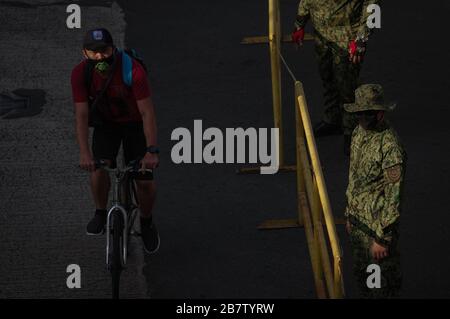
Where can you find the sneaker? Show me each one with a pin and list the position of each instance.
(97, 224)
(150, 236)
(324, 129)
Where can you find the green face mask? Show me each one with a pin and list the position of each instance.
(102, 67)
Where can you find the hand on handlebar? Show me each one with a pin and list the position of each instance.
(150, 161)
(87, 162)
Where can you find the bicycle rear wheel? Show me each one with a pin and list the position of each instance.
(116, 253)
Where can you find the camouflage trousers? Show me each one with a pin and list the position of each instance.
(340, 80)
(391, 276)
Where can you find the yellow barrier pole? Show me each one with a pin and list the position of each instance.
(274, 41)
(323, 194)
(304, 214)
(278, 24)
(320, 249)
(321, 246)
(318, 231)
(338, 278)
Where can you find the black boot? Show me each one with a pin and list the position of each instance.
(325, 129)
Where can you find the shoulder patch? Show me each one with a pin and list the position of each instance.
(394, 173)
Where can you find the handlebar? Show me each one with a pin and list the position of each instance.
(133, 166)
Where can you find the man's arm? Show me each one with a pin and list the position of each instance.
(393, 177)
(147, 111)
(82, 134)
(302, 14)
(80, 98)
(81, 123)
(300, 22)
(357, 45)
(393, 166)
(142, 93)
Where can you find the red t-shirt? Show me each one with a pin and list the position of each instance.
(120, 99)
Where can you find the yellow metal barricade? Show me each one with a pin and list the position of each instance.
(314, 211)
(318, 197)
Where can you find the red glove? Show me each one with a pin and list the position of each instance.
(298, 36)
(356, 50)
(352, 47)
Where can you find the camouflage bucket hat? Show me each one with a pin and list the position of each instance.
(369, 97)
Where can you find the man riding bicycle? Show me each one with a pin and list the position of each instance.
(121, 113)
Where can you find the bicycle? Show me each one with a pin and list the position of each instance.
(120, 217)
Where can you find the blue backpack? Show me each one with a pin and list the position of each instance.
(127, 63)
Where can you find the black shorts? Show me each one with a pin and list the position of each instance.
(106, 142)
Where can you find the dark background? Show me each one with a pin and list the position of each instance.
(207, 215)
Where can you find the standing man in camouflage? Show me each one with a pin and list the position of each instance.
(377, 169)
(341, 34)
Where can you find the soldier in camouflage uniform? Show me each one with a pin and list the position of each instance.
(341, 34)
(377, 169)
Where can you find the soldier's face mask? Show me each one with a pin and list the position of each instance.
(368, 119)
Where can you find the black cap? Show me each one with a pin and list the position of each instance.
(97, 39)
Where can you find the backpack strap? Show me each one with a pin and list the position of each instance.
(88, 70)
(93, 112)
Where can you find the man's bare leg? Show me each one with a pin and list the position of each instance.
(146, 193)
(100, 185)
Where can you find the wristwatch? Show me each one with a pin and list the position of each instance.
(152, 149)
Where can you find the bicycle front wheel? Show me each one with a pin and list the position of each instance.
(117, 251)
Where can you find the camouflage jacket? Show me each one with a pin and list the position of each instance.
(338, 21)
(377, 169)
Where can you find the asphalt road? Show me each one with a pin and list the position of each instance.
(207, 215)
